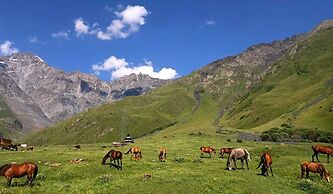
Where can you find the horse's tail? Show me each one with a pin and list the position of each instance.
(105, 158)
(262, 160)
(35, 173)
(247, 155)
(129, 151)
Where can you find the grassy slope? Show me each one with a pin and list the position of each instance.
(140, 115)
(5, 115)
(183, 172)
(294, 93)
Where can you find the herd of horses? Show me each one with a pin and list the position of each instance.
(30, 170)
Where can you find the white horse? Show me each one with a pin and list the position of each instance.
(239, 154)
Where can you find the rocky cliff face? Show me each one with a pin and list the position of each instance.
(40, 95)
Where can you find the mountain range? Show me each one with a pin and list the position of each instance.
(282, 83)
(34, 95)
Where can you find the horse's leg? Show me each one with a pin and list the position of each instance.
(307, 174)
(121, 164)
(328, 158)
(247, 164)
(210, 155)
(242, 161)
(313, 155)
(9, 181)
(317, 156)
(271, 170)
(235, 160)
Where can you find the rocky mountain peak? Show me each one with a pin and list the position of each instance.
(326, 24)
(57, 95)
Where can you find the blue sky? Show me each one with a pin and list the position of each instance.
(179, 36)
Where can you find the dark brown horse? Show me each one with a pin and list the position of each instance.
(225, 151)
(315, 167)
(10, 171)
(322, 149)
(114, 156)
(162, 155)
(136, 152)
(238, 154)
(208, 150)
(265, 163)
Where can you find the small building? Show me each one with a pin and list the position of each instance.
(128, 139)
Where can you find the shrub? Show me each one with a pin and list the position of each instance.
(288, 133)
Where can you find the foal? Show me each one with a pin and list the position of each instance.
(208, 150)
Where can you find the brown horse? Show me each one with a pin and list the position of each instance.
(136, 152)
(239, 154)
(322, 149)
(315, 167)
(114, 156)
(162, 155)
(225, 151)
(11, 171)
(266, 163)
(208, 150)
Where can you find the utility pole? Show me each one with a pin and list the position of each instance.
(123, 123)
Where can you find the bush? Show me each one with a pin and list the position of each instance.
(288, 133)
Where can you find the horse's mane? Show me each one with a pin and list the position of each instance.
(107, 155)
(4, 168)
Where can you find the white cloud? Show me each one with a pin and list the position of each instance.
(108, 8)
(210, 22)
(119, 68)
(6, 48)
(129, 21)
(61, 34)
(34, 39)
(81, 27)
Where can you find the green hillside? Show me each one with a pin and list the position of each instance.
(299, 91)
(293, 88)
(7, 121)
(134, 115)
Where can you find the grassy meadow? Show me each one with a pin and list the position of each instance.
(183, 172)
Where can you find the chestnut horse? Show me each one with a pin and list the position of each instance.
(225, 151)
(162, 155)
(11, 171)
(315, 167)
(322, 149)
(135, 151)
(239, 154)
(208, 150)
(114, 156)
(265, 163)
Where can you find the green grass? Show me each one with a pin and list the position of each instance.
(138, 116)
(183, 172)
(299, 85)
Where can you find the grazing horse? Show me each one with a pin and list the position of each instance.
(239, 154)
(135, 151)
(162, 155)
(322, 149)
(11, 171)
(225, 151)
(315, 167)
(114, 156)
(208, 150)
(265, 163)
(31, 148)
